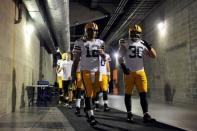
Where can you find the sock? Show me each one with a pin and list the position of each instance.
(144, 102)
(78, 103)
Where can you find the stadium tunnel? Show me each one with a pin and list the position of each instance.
(35, 33)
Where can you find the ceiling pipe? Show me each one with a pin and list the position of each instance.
(45, 16)
(135, 15)
(58, 11)
(126, 22)
(114, 16)
(66, 31)
(89, 20)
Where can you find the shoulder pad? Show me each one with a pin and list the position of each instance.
(100, 41)
(83, 39)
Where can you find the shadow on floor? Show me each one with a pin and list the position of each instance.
(112, 121)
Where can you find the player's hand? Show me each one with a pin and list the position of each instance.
(145, 43)
(125, 70)
(101, 53)
(84, 38)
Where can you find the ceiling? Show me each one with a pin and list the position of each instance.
(61, 22)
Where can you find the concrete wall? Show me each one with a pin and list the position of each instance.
(46, 66)
(176, 65)
(19, 58)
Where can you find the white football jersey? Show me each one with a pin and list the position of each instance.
(102, 64)
(89, 53)
(59, 74)
(66, 66)
(133, 53)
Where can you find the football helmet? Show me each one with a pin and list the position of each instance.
(135, 28)
(135, 32)
(64, 56)
(92, 26)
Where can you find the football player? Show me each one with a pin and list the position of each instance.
(59, 79)
(66, 66)
(131, 52)
(88, 51)
(104, 78)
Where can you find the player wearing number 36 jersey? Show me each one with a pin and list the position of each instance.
(134, 53)
(131, 52)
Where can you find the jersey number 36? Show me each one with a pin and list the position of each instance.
(135, 52)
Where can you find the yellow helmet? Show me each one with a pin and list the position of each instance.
(135, 28)
(91, 25)
(64, 55)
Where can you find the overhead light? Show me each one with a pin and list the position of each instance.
(161, 25)
(116, 55)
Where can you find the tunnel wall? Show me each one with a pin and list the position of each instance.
(19, 58)
(47, 72)
(173, 74)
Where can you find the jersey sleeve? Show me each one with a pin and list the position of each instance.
(102, 45)
(145, 50)
(61, 64)
(108, 58)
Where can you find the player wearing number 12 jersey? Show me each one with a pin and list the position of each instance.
(88, 51)
(131, 54)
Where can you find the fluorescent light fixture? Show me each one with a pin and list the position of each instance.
(116, 55)
(161, 25)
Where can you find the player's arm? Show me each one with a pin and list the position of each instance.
(60, 67)
(57, 69)
(121, 52)
(151, 51)
(76, 59)
(108, 70)
(102, 51)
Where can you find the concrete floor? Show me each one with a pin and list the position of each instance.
(179, 116)
(35, 119)
(58, 119)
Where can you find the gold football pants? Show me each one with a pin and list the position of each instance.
(137, 79)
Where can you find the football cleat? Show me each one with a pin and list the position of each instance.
(106, 108)
(147, 118)
(70, 106)
(129, 117)
(96, 107)
(65, 105)
(92, 121)
(77, 111)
